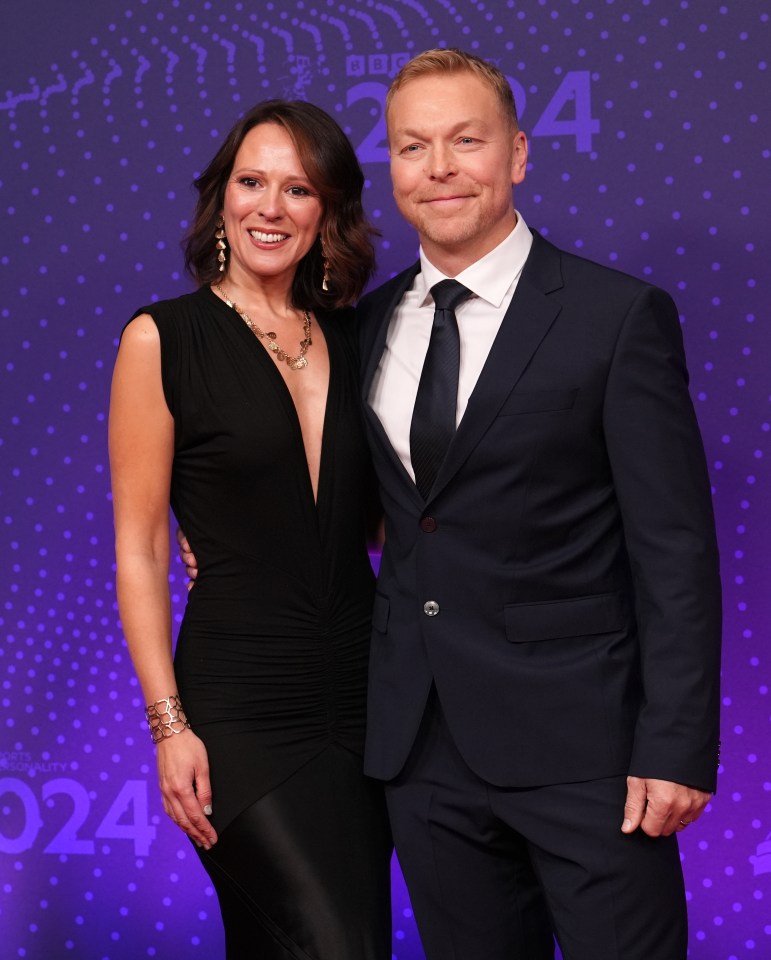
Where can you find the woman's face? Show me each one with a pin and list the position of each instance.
(272, 212)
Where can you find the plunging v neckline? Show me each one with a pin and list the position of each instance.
(288, 400)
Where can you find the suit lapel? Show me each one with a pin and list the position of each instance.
(376, 320)
(527, 321)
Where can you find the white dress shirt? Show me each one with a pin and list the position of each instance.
(492, 281)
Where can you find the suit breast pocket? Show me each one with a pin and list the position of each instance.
(538, 401)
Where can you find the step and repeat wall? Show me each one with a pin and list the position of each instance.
(649, 129)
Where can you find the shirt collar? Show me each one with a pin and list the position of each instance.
(488, 278)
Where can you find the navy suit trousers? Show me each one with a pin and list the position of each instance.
(498, 874)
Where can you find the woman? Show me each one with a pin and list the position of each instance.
(239, 404)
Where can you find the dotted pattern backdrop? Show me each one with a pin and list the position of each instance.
(650, 151)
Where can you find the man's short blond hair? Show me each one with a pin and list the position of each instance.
(450, 61)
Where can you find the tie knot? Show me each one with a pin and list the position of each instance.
(448, 294)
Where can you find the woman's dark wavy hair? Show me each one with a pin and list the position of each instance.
(331, 165)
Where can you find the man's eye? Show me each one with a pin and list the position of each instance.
(412, 148)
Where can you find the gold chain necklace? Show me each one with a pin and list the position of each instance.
(295, 363)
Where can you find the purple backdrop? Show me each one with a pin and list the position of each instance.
(650, 148)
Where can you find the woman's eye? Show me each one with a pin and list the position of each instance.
(299, 192)
(248, 181)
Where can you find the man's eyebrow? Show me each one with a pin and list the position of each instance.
(476, 123)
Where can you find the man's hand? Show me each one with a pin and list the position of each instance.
(187, 557)
(661, 807)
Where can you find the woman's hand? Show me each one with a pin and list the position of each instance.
(183, 775)
(187, 557)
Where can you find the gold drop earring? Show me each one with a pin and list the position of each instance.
(221, 246)
(325, 278)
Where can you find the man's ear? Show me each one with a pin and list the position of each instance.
(519, 158)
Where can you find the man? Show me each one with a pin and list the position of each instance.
(543, 700)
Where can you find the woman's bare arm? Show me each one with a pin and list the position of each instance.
(141, 454)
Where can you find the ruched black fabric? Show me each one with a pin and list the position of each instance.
(271, 659)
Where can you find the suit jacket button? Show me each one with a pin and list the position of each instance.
(430, 608)
(428, 524)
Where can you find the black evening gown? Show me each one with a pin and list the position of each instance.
(271, 659)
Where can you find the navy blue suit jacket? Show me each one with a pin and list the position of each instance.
(572, 552)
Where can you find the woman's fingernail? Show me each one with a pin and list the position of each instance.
(207, 809)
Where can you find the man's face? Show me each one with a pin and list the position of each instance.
(454, 158)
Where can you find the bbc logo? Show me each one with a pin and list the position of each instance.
(375, 64)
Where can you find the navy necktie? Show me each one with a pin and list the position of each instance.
(433, 419)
